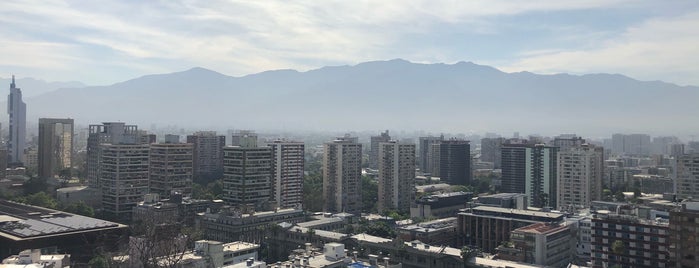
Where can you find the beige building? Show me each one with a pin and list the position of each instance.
(687, 182)
(208, 155)
(342, 175)
(106, 133)
(580, 173)
(123, 177)
(55, 146)
(171, 168)
(287, 172)
(396, 176)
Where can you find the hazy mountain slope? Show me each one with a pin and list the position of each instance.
(384, 94)
(33, 87)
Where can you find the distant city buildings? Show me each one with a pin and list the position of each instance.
(342, 175)
(288, 159)
(396, 176)
(208, 155)
(55, 146)
(17, 112)
(374, 149)
(425, 154)
(490, 151)
(631, 144)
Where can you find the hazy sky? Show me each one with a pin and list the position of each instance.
(102, 42)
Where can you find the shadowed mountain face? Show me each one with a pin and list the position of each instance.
(392, 94)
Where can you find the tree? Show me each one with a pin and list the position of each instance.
(370, 194)
(618, 247)
(80, 208)
(39, 199)
(98, 262)
(35, 185)
(157, 244)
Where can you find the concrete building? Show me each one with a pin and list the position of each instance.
(3, 163)
(439, 205)
(17, 112)
(503, 200)
(107, 133)
(435, 232)
(662, 145)
(567, 141)
(487, 227)
(230, 224)
(288, 159)
(530, 169)
(25, 227)
(374, 150)
(396, 176)
(247, 173)
(628, 240)
(123, 178)
(75, 194)
(687, 181)
(244, 138)
(455, 162)
(631, 144)
(580, 174)
(548, 245)
(490, 151)
(683, 247)
(434, 161)
(208, 155)
(425, 156)
(171, 168)
(32, 258)
(55, 146)
(342, 175)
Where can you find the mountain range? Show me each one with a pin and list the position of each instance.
(394, 94)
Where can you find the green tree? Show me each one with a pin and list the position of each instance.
(98, 262)
(618, 247)
(313, 192)
(35, 185)
(39, 199)
(370, 194)
(80, 208)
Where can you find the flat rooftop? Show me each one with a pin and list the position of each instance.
(541, 228)
(517, 212)
(239, 246)
(19, 221)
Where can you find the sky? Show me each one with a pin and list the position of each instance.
(104, 42)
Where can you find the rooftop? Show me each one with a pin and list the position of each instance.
(370, 238)
(239, 246)
(19, 221)
(541, 228)
(521, 212)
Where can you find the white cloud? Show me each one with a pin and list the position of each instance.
(659, 49)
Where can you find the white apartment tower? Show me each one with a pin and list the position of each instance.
(247, 174)
(580, 173)
(171, 168)
(106, 133)
(342, 175)
(287, 172)
(396, 176)
(123, 178)
(17, 111)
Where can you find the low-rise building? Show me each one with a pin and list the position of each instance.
(503, 200)
(541, 243)
(230, 224)
(75, 194)
(439, 205)
(32, 258)
(436, 232)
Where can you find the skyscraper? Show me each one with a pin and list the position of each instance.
(123, 176)
(425, 156)
(374, 152)
(396, 176)
(247, 174)
(55, 146)
(580, 171)
(17, 111)
(107, 133)
(287, 169)
(455, 162)
(342, 175)
(530, 169)
(687, 181)
(171, 168)
(208, 155)
(490, 151)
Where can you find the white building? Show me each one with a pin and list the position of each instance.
(287, 168)
(32, 258)
(123, 177)
(580, 171)
(396, 176)
(342, 175)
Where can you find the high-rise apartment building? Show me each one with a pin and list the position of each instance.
(662, 145)
(567, 141)
(434, 164)
(687, 181)
(244, 138)
(490, 151)
(396, 176)
(342, 175)
(631, 144)
(530, 169)
(684, 224)
(55, 146)
(287, 172)
(17, 111)
(455, 162)
(208, 155)
(247, 174)
(626, 240)
(123, 176)
(580, 174)
(425, 156)
(107, 133)
(374, 150)
(171, 168)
